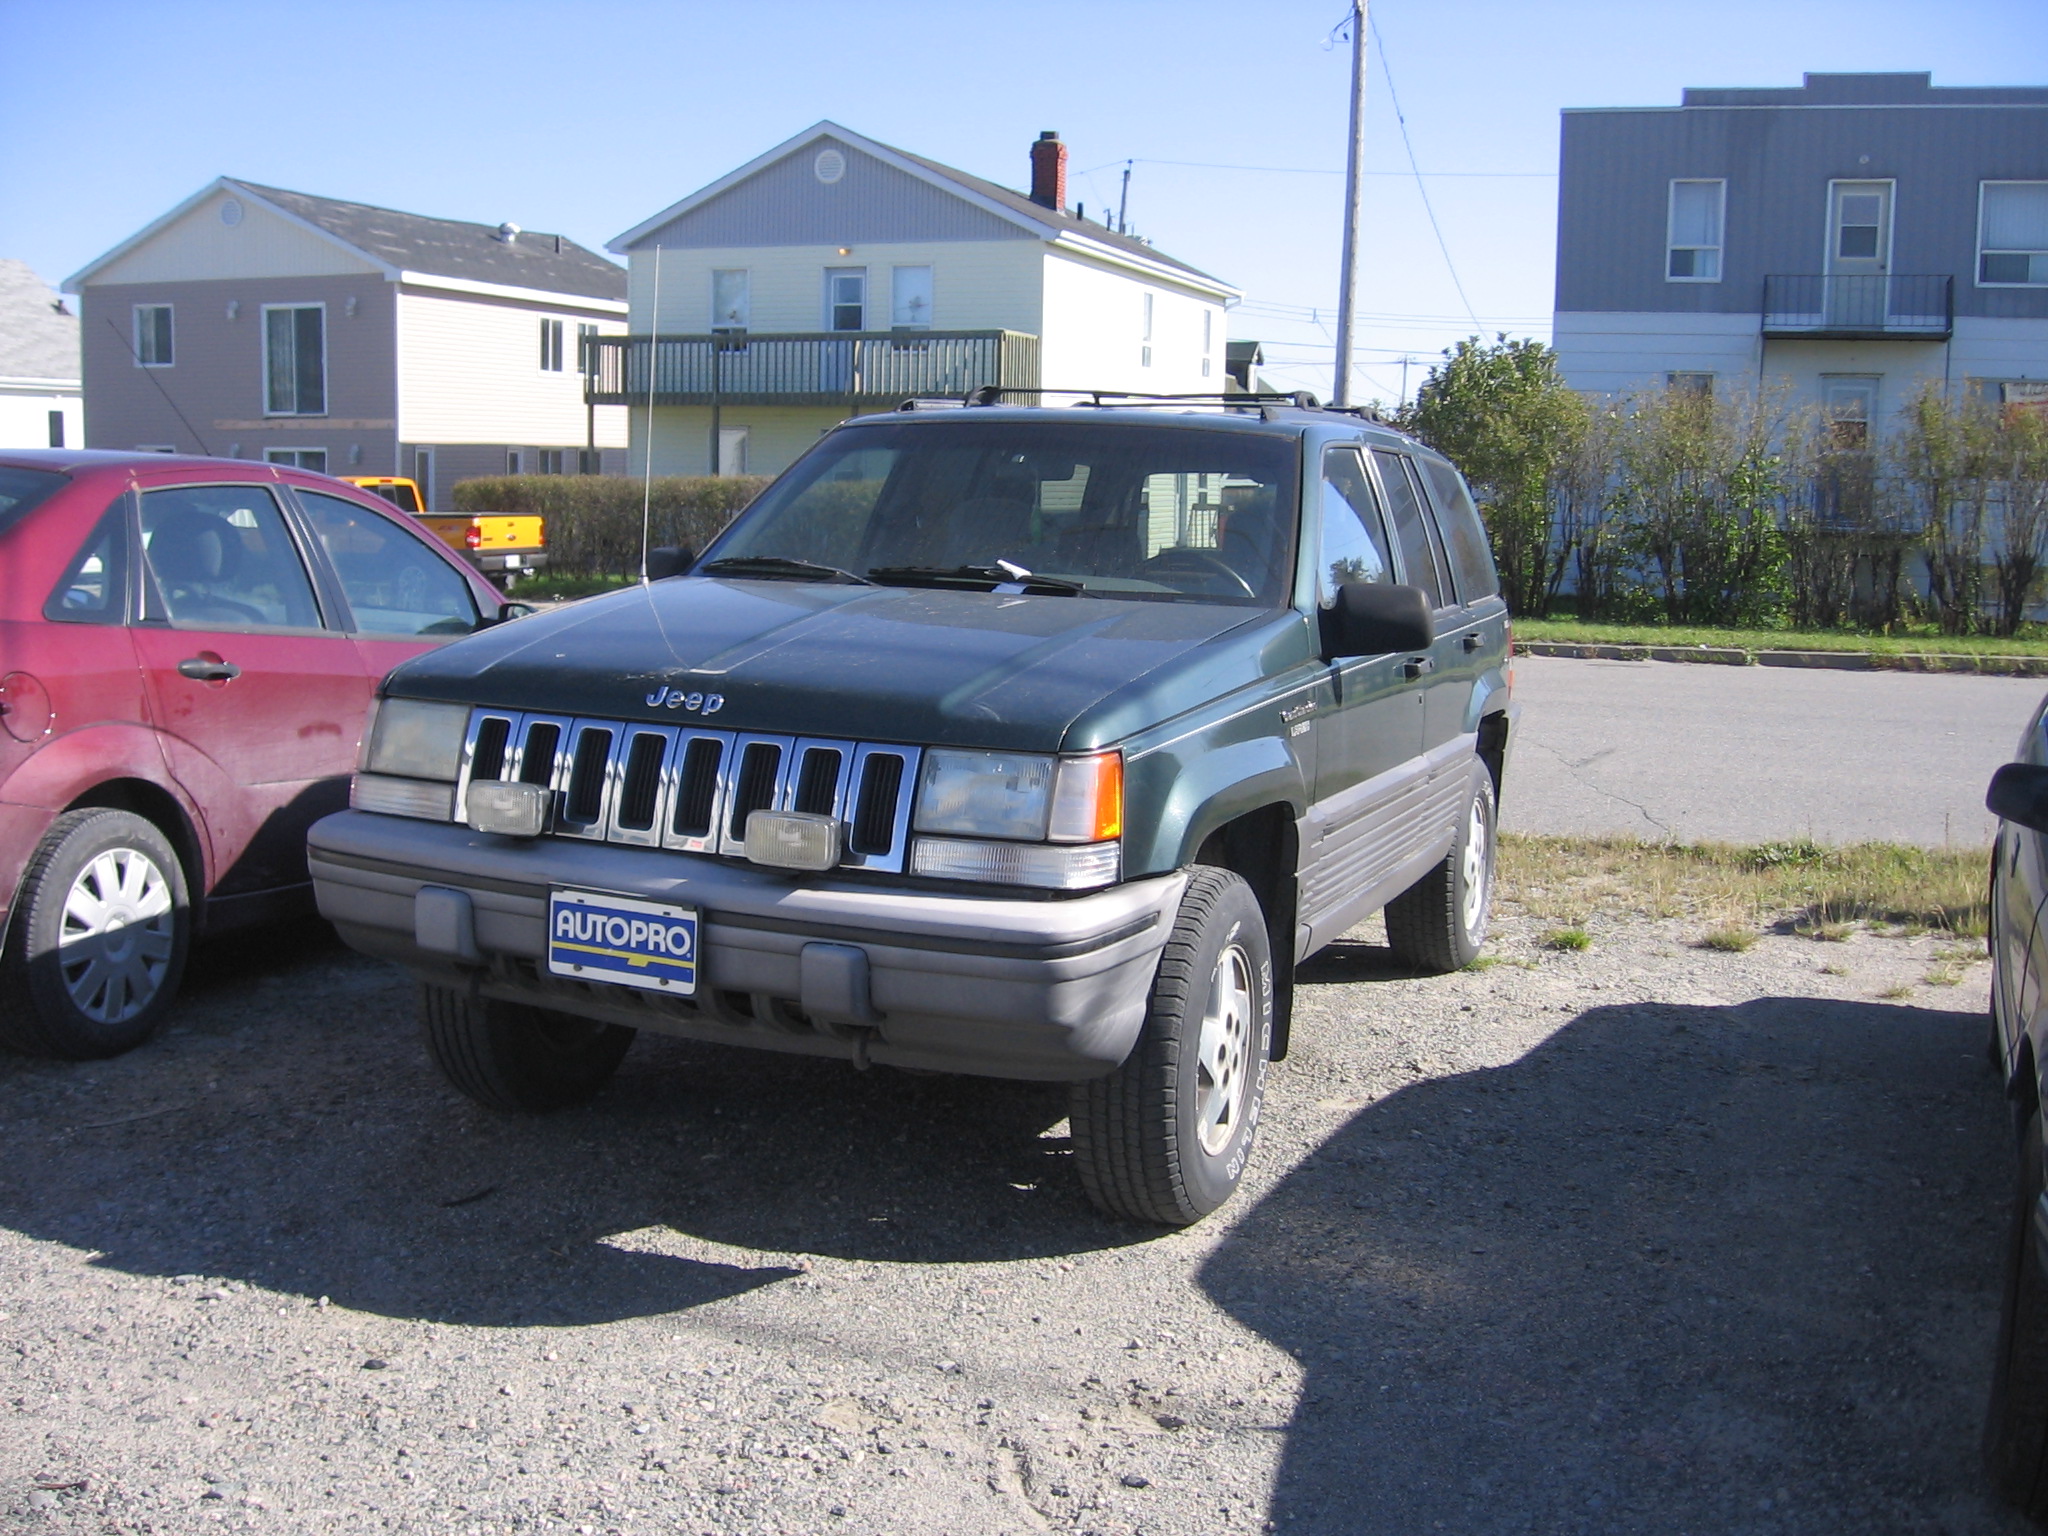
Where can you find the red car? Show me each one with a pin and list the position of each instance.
(188, 649)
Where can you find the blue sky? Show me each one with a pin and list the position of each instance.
(585, 118)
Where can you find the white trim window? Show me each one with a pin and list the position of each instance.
(1686, 381)
(515, 461)
(732, 298)
(1692, 243)
(551, 346)
(1145, 336)
(153, 336)
(295, 359)
(1208, 338)
(586, 348)
(314, 459)
(846, 298)
(2012, 234)
(910, 298)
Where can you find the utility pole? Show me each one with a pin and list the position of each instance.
(1354, 155)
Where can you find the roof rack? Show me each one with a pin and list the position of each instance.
(992, 394)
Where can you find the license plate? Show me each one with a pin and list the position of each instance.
(615, 938)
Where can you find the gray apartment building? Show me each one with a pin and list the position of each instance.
(1849, 238)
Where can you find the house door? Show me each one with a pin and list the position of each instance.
(1859, 253)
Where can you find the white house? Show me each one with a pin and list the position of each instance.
(259, 323)
(41, 399)
(834, 275)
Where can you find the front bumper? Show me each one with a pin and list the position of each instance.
(1045, 990)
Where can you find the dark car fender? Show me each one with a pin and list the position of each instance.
(1211, 787)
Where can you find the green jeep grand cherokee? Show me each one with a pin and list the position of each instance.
(1008, 741)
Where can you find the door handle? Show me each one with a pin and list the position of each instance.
(208, 669)
(1415, 666)
(1472, 641)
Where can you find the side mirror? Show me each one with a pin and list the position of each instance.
(2019, 794)
(510, 611)
(1371, 618)
(669, 560)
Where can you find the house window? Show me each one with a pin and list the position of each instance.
(732, 299)
(1848, 402)
(586, 348)
(551, 346)
(846, 298)
(1208, 338)
(910, 298)
(550, 461)
(295, 359)
(1689, 383)
(515, 462)
(1145, 350)
(2012, 234)
(423, 474)
(56, 429)
(1693, 245)
(589, 461)
(314, 459)
(153, 335)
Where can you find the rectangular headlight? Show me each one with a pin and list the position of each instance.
(1048, 867)
(985, 794)
(417, 740)
(402, 797)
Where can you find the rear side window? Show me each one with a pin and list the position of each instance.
(1471, 557)
(395, 583)
(1411, 527)
(95, 585)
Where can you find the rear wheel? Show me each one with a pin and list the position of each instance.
(101, 929)
(1438, 924)
(1166, 1136)
(515, 1058)
(2016, 1429)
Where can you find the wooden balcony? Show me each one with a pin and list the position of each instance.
(805, 368)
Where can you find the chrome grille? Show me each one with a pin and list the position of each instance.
(677, 786)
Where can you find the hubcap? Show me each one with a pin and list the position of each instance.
(114, 942)
(1477, 868)
(1224, 1055)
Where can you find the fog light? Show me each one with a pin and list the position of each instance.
(511, 810)
(793, 840)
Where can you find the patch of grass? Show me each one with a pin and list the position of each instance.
(1903, 989)
(1942, 976)
(1734, 938)
(1827, 933)
(1961, 954)
(548, 587)
(1924, 639)
(1834, 970)
(1571, 940)
(1817, 890)
(1482, 962)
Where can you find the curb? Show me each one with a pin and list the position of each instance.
(1834, 661)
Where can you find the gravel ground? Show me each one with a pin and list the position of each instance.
(1649, 1238)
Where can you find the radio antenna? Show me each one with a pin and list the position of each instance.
(647, 469)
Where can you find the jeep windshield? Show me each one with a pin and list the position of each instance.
(1060, 507)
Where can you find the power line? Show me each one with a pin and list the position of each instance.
(1316, 170)
(1394, 96)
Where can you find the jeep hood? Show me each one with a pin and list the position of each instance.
(916, 665)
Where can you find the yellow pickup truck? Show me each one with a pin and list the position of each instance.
(506, 545)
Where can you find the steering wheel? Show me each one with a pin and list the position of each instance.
(201, 607)
(1204, 560)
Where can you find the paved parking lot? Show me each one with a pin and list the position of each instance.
(1748, 754)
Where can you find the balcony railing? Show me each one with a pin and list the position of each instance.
(1860, 306)
(805, 368)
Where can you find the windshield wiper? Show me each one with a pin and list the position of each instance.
(1002, 574)
(773, 566)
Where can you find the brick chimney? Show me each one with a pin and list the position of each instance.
(1049, 172)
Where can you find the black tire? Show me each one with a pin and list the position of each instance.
(1438, 924)
(1165, 1138)
(2016, 1429)
(102, 925)
(518, 1059)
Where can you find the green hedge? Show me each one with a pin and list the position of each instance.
(593, 521)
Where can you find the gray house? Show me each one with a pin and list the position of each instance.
(1851, 238)
(264, 324)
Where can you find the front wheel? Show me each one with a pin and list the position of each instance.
(1438, 924)
(101, 928)
(515, 1058)
(1165, 1138)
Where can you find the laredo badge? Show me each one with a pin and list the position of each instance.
(615, 938)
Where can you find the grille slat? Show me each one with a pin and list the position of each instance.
(693, 789)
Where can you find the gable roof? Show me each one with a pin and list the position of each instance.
(38, 335)
(1053, 224)
(417, 243)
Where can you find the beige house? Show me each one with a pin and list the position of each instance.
(835, 275)
(263, 324)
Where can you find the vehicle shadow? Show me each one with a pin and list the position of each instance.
(1678, 1269)
(286, 1130)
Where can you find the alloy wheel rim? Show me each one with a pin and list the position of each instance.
(116, 935)
(1223, 1053)
(1477, 867)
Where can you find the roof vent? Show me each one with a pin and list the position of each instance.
(508, 232)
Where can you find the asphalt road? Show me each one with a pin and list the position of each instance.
(1750, 754)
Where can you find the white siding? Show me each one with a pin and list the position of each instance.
(2000, 349)
(25, 408)
(776, 435)
(469, 372)
(197, 246)
(977, 285)
(1093, 332)
(1614, 353)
